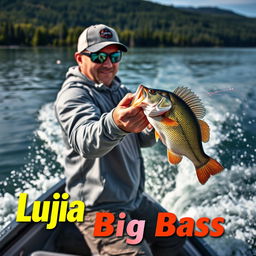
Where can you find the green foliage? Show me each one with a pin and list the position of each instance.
(138, 22)
(40, 36)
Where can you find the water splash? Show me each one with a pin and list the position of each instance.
(42, 170)
(230, 194)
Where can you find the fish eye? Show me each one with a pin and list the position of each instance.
(152, 91)
(164, 94)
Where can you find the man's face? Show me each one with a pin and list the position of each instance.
(99, 73)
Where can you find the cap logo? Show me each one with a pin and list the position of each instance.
(106, 33)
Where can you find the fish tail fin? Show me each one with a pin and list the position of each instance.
(212, 167)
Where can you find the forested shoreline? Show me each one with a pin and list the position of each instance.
(139, 23)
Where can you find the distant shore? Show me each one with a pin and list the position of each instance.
(130, 47)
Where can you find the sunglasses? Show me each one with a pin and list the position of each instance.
(101, 57)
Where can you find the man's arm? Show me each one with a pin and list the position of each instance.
(136, 121)
(129, 118)
(90, 133)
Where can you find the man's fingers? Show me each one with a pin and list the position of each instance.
(138, 118)
(150, 126)
(126, 100)
(135, 112)
(129, 118)
(141, 125)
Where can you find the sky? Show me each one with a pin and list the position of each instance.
(243, 7)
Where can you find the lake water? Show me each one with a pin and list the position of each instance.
(225, 79)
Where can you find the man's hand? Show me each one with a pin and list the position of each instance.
(129, 118)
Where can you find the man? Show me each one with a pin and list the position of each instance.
(103, 134)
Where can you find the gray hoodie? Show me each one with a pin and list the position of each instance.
(103, 166)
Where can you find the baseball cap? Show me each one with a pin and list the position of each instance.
(96, 37)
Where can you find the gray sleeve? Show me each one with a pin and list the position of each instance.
(147, 138)
(89, 132)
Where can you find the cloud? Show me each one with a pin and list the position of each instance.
(206, 3)
(243, 7)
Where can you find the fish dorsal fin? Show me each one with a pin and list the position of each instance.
(192, 100)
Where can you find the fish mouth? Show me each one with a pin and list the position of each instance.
(139, 96)
(155, 110)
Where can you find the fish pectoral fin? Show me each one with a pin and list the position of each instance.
(172, 157)
(157, 136)
(205, 130)
(170, 122)
(212, 167)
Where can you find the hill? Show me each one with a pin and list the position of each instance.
(210, 10)
(139, 23)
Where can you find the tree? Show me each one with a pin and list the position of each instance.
(40, 36)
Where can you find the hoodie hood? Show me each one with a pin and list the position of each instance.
(75, 76)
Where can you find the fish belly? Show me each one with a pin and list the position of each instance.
(175, 139)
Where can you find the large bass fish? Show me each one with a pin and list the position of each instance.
(176, 117)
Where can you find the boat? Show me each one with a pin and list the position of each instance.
(25, 239)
